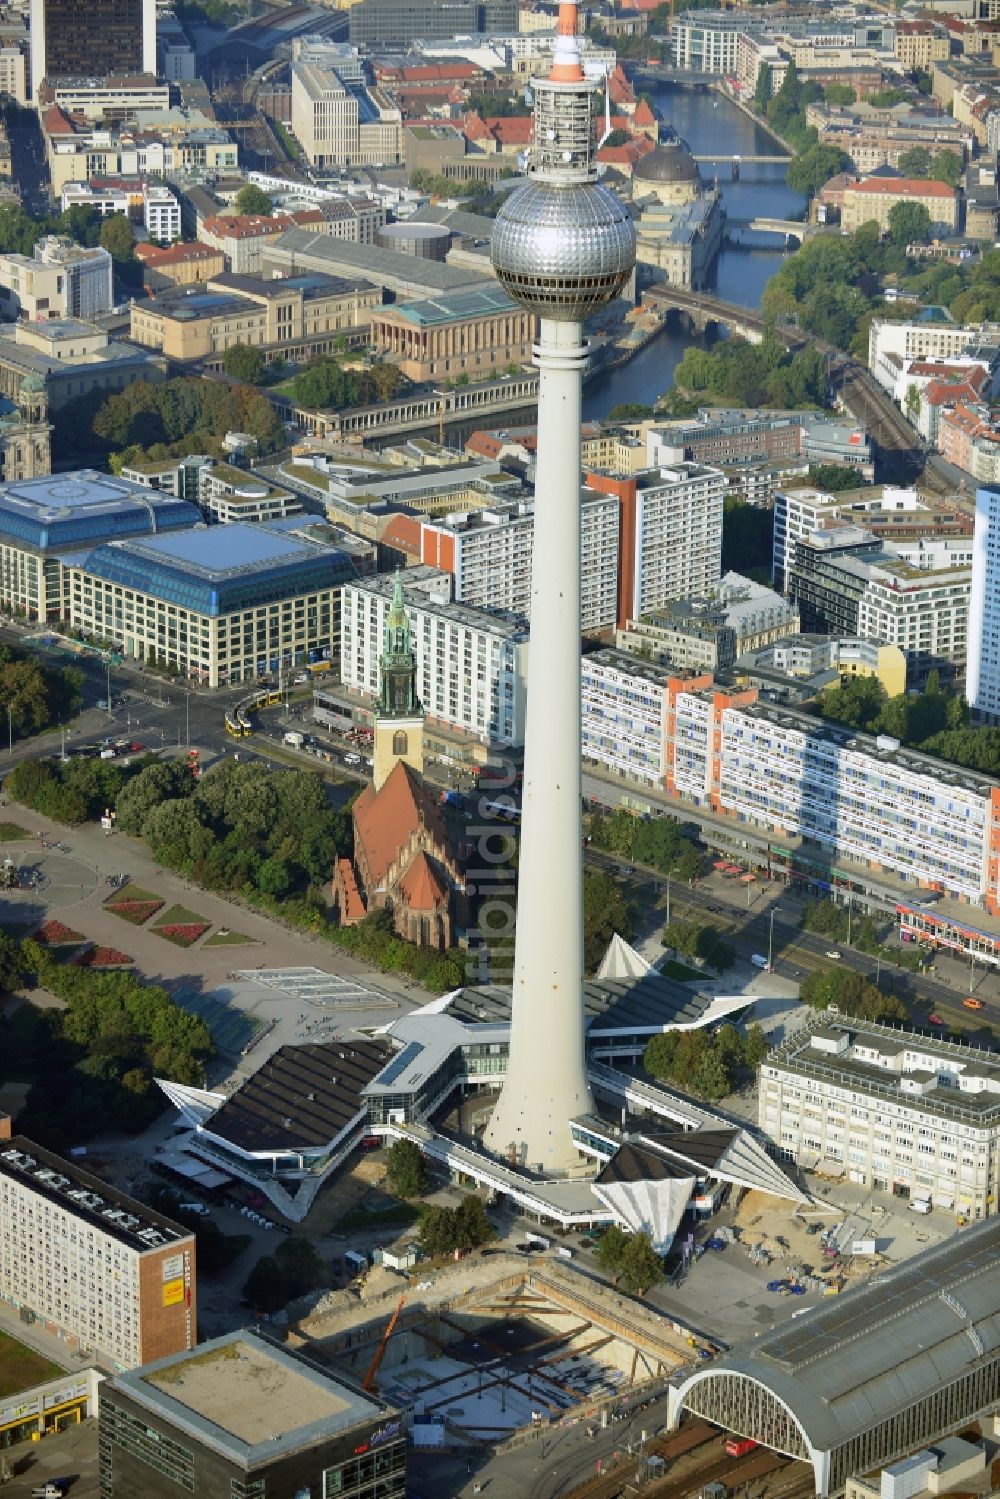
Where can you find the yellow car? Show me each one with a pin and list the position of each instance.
(972, 1003)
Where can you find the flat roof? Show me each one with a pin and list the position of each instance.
(219, 551)
(480, 302)
(303, 247)
(86, 1197)
(248, 1399)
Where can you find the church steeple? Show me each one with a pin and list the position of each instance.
(399, 718)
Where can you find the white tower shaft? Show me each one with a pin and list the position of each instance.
(546, 1076)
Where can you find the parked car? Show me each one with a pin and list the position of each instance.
(935, 1020)
(833, 954)
(796, 1290)
(715, 1243)
(777, 1286)
(972, 1003)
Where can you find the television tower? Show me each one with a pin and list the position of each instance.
(563, 246)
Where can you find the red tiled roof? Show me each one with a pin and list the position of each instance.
(903, 187)
(384, 820)
(421, 886)
(157, 255)
(256, 226)
(56, 123)
(643, 114)
(354, 906)
(403, 534)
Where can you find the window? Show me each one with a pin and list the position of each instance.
(399, 743)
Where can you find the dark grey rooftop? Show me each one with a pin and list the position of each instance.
(611, 1006)
(301, 1098)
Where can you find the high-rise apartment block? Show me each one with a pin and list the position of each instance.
(471, 664)
(982, 678)
(97, 38)
(243, 1418)
(646, 539)
(115, 1279)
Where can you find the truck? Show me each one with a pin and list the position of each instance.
(739, 1446)
(54, 1488)
(759, 961)
(295, 739)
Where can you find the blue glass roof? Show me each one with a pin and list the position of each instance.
(218, 569)
(65, 512)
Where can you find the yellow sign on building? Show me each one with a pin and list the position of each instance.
(173, 1292)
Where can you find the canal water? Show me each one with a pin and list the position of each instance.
(710, 124)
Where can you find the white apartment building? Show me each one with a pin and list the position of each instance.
(103, 200)
(982, 677)
(892, 346)
(488, 553)
(624, 722)
(706, 41)
(472, 666)
(61, 280)
(678, 535)
(925, 612)
(894, 1111)
(859, 798)
(798, 512)
(13, 74)
(161, 213)
(115, 1279)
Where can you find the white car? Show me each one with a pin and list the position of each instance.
(833, 953)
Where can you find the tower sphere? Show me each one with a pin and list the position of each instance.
(563, 252)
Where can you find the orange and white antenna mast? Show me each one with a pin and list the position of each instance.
(566, 64)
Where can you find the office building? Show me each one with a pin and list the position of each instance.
(115, 1280)
(223, 604)
(873, 199)
(179, 265)
(477, 334)
(890, 1110)
(707, 633)
(471, 663)
(244, 1416)
(375, 22)
(933, 335)
(982, 680)
(735, 439)
(340, 123)
(299, 317)
(798, 667)
(47, 525)
(180, 141)
(60, 280)
(624, 724)
(225, 494)
(119, 36)
(706, 41)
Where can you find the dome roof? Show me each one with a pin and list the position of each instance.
(671, 162)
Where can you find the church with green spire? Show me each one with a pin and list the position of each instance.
(399, 718)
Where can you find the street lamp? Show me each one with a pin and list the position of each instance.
(187, 717)
(770, 933)
(670, 872)
(850, 913)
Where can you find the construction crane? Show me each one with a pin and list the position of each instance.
(368, 1383)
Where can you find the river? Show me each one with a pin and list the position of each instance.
(709, 123)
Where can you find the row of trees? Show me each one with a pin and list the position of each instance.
(171, 419)
(73, 791)
(37, 696)
(852, 994)
(657, 842)
(763, 374)
(935, 720)
(94, 1060)
(444, 1229)
(702, 941)
(606, 912)
(711, 1064)
(939, 166)
(375, 942)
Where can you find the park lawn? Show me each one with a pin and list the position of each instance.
(179, 915)
(131, 892)
(21, 1368)
(223, 938)
(671, 969)
(12, 832)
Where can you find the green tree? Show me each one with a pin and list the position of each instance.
(610, 1251)
(946, 167)
(814, 167)
(118, 238)
(301, 1268)
(838, 93)
(407, 1169)
(242, 362)
(265, 1288)
(834, 477)
(252, 199)
(605, 913)
(641, 1266)
(909, 223)
(916, 162)
(762, 88)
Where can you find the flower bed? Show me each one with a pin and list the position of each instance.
(136, 912)
(182, 933)
(103, 957)
(54, 934)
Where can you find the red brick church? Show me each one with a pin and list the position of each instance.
(403, 861)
